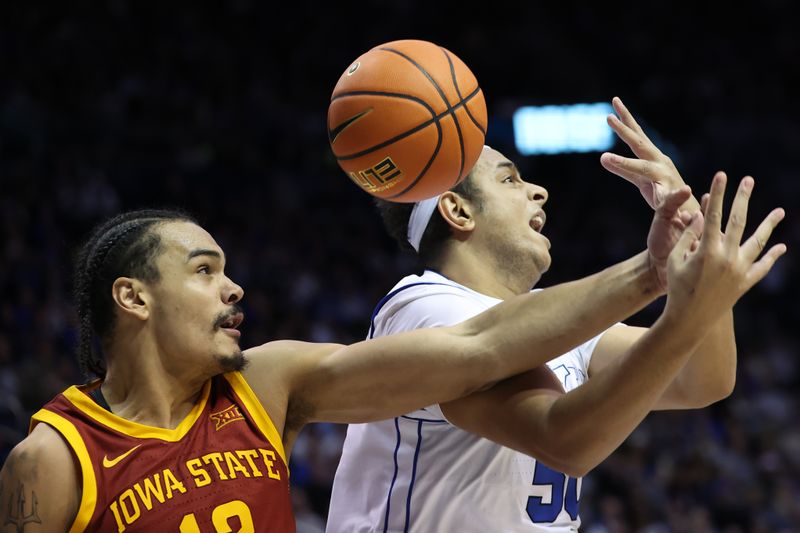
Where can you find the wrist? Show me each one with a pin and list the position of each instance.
(657, 270)
(654, 275)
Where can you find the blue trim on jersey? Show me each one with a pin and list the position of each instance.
(394, 477)
(431, 420)
(391, 295)
(413, 475)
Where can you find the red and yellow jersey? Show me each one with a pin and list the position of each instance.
(222, 469)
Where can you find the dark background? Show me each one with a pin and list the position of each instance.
(221, 108)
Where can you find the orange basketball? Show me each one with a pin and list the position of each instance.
(407, 120)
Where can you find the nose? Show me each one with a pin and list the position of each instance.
(232, 292)
(537, 193)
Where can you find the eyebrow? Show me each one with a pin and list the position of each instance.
(203, 251)
(508, 164)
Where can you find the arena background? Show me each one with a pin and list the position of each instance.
(220, 108)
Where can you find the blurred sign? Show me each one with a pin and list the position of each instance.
(556, 129)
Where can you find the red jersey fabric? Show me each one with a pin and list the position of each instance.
(222, 469)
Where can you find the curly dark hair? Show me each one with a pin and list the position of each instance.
(396, 215)
(122, 246)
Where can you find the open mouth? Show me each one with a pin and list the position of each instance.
(232, 321)
(537, 222)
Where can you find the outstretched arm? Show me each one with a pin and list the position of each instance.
(710, 372)
(573, 432)
(388, 376)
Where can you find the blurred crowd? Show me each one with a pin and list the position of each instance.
(222, 112)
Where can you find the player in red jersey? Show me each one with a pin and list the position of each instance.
(185, 432)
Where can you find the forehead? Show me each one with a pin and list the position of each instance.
(180, 238)
(490, 163)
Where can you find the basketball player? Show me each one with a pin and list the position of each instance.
(468, 465)
(185, 432)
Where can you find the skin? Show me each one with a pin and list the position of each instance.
(168, 341)
(541, 421)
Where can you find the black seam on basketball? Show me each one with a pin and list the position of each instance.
(435, 119)
(439, 90)
(458, 92)
(455, 118)
(427, 166)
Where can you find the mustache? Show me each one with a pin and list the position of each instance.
(223, 317)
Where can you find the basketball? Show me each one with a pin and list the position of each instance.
(407, 120)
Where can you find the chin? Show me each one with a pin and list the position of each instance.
(235, 362)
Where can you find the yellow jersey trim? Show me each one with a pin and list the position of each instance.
(259, 414)
(133, 429)
(88, 480)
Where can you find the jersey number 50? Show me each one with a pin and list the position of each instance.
(541, 512)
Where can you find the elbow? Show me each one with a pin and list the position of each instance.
(574, 459)
(718, 392)
(714, 391)
(572, 465)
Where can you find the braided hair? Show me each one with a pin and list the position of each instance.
(396, 217)
(122, 246)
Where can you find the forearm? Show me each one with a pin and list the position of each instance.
(529, 330)
(391, 375)
(710, 373)
(620, 396)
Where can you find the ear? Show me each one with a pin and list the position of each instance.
(130, 296)
(456, 211)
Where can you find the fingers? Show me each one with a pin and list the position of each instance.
(625, 116)
(630, 169)
(704, 202)
(753, 246)
(713, 215)
(762, 267)
(690, 235)
(738, 217)
(673, 201)
(626, 127)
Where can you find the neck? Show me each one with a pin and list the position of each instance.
(471, 268)
(139, 388)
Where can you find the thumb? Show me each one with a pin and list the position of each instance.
(673, 200)
(690, 235)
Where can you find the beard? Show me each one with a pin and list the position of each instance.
(232, 363)
(516, 265)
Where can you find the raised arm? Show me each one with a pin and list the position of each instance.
(388, 376)
(710, 373)
(39, 487)
(384, 377)
(562, 430)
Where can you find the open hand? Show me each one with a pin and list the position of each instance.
(653, 172)
(708, 270)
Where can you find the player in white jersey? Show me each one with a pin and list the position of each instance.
(468, 465)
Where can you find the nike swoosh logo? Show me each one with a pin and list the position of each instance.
(108, 463)
(335, 132)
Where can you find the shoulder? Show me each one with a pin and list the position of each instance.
(42, 469)
(276, 369)
(418, 305)
(43, 445)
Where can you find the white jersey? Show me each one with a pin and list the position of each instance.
(418, 473)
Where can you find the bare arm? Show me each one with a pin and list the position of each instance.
(708, 376)
(384, 377)
(562, 429)
(39, 487)
(710, 373)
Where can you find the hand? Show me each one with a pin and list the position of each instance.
(668, 225)
(653, 172)
(708, 274)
